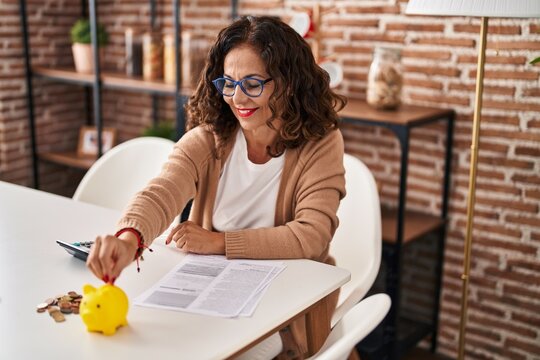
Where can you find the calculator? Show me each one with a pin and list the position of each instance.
(78, 249)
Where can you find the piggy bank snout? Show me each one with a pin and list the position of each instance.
(87, 317)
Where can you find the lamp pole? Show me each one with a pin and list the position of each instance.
(472, 184)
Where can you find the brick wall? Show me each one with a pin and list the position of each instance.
(439, 61)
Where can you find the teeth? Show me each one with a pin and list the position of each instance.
(245, 111)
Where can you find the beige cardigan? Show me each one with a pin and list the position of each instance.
(312, 185)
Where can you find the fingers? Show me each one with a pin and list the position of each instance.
(92, 262)
(181, 235)
(108, 257)
(170, 236)
(177, 234)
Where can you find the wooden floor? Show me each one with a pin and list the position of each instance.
(419, 354)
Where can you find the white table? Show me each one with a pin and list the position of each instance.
(33, 267)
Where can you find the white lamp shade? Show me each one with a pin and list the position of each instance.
(482, 8)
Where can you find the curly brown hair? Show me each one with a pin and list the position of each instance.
(302, 97)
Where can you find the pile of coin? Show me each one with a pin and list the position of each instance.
(60, 305)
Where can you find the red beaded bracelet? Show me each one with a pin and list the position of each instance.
(140, 243)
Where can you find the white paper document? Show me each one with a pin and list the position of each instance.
(212, 285)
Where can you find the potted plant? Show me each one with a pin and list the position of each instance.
(163, 129)
(82, 45)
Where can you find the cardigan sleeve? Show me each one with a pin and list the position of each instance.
(153, 209)
(318, 191)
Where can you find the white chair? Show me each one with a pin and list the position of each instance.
(124, 170)
(357, 243)
(356, 246)
(355, 325)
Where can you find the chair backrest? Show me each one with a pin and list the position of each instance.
(355, 325)
(124, 170)
(357, 243)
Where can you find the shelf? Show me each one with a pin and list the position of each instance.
(410, 332)
(109, 80)
(416, 225)
(69, 159)
(406, 115)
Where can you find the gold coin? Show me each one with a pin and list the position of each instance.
(42, 306)
(58, 316)
(64, 304)
(50, 301)
(66, 310)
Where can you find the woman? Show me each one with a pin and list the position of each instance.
(262, 160)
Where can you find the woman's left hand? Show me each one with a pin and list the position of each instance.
(190, 237)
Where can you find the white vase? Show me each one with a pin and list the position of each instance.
(84, 57)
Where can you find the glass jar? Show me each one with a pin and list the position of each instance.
(169, 59)
(134, 53)
(385, 79)
(152, 56)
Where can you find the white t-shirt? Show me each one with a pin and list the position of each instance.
(247, 192)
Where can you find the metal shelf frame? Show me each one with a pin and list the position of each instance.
(359, 114)
(97, 83)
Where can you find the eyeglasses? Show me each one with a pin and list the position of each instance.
(250, 86)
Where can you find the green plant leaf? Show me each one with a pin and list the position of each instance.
(80, 33)
(535, 61)
(164, 129)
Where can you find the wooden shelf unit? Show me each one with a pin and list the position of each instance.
(71, 159)
(416, 225)
(98, 81)
(401, 226)
(110, 80)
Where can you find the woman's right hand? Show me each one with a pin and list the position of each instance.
(110, 255)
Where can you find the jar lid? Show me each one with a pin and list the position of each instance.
(388, 51)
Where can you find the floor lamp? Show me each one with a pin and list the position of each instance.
(484, 9)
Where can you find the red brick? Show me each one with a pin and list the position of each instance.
(532, 194)
(440, 99)
(399, 39)
(506, 245)
(534, 92)
(528, 319)
(523, 220)
(372, 9)
(431, 84)
(529, 347)
(370, 23)
(352, 49)
(528, 179)
(521, 136)
(498, 59)
(432, 70)
(513, 45)
(415, 54)
(533, 124)
(499, 74)
(492, 29)
(445, 42)
(499, 90)
(414, 27)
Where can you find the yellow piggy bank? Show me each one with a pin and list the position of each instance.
(104, 309)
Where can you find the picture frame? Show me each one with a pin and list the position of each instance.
(88, 146)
